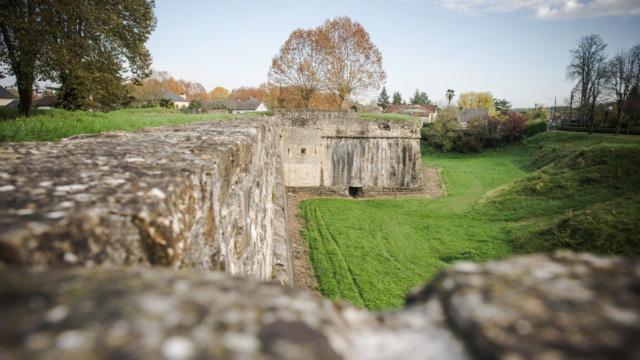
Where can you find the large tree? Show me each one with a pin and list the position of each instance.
(632, 107)
(219, 93)
(95, 45)
(89, 47)
(354, 63)
(22, 41)
(300, 64)
(623, 71)
(587, 69)
(477, 100)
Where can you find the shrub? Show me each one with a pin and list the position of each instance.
(484, 132)
(537, 114)
(534, 127)
(513, 127)
(195, 106)
(442, 133)
(166, 103)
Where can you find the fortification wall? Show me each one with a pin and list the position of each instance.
(211, 197)
(204, 196)
(335, 151)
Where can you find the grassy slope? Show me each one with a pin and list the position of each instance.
(57, 124)
(372, 252)
(391, 246)
(584, 196)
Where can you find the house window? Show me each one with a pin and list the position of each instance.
(303, 151)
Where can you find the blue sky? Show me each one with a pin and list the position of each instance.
(516, 49)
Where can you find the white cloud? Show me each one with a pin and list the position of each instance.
(549, 9)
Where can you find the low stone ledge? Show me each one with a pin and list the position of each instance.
(194, 196)
(563, 306)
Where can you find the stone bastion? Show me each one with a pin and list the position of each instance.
(337, 152)
(172, 243)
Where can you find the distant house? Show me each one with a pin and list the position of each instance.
(245, 106)
(426, 113)
(6, 97)
(466, 115)
(46, 102)
(237, 106)
(13, 105)
(180, 101)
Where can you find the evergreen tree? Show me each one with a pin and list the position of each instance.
(503, 106)
(420, 98)
(397, 98)
(383, 99)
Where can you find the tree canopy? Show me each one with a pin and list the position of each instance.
(503, 106)
(337, 57)
(88, 47)
(397, 98)
(587, 67)
(477, 100)
(450, 95)
(420, 98)
(301, 64)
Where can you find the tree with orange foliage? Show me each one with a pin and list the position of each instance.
(300, 64)
(192, 90)
(333, 62)
(248, 93)
(281, 97)
(354, 63)
(219, 93)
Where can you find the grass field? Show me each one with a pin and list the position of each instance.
(57, 124)
(375, 116)
(537, 196)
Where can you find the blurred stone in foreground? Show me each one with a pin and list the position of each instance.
(543, 307)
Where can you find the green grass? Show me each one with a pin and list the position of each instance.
(385, 117)
(556, 190)
(54, 125)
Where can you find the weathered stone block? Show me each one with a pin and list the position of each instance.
(564, 306)
(335, 151)
(202, 196)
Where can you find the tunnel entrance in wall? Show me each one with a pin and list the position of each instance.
(355, 191)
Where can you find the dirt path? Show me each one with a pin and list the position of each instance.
(303, 276)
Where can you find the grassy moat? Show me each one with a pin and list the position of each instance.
(555, 190)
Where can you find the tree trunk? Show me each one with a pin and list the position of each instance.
(591, 118)
(25, 92)
(618, 120)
